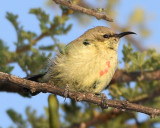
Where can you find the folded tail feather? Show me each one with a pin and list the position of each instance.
(35, 77)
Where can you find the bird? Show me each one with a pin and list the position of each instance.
(87, 64)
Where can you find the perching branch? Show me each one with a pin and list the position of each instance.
(84, 10)
(119, 77)
(88, 97)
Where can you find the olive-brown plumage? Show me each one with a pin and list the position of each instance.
(88, 63)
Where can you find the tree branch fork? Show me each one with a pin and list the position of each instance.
(84, 10)
(79, 96)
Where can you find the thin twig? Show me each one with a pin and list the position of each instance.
(34, 41)
(88, 97)
(146, 97)
(84, 10)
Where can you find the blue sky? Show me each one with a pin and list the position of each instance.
(7, 33)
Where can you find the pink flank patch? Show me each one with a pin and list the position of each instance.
(106, 69)
(101, 73)
(108, 64)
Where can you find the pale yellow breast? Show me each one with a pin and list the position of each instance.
(83, 68)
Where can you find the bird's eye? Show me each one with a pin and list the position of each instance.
(86, 43)
(105, 36)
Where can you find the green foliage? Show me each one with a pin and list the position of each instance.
(13, 19)
(4, 58)
(75, 114)
(42, 17)
(72, 110)
(17, 119)
(133, 60)
(139, 62)
(36, 121)
(53, 27)
(29, 62)
(32, 119)
(27, 55)
(153, 62)
(22, 35)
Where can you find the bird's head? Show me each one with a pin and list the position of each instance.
(96, 39)
(103, 37)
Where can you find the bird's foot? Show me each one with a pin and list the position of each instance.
(66, 92)
(51, 83)
(103, 100)
(29, 92)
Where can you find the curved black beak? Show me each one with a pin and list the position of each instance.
(124, 34)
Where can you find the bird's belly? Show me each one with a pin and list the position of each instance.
(86, 76)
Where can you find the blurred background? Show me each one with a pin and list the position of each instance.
(33, 31)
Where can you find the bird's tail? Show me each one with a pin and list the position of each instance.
(36, 78)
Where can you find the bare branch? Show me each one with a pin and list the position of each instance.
(123, 76)
(147, 97)
(88, 97)
(119, 77)
(98, 15)
(10, 88)
(84, 10)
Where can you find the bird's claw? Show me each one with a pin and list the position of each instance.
(51, 83)
(66, 91)
(103, 101)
